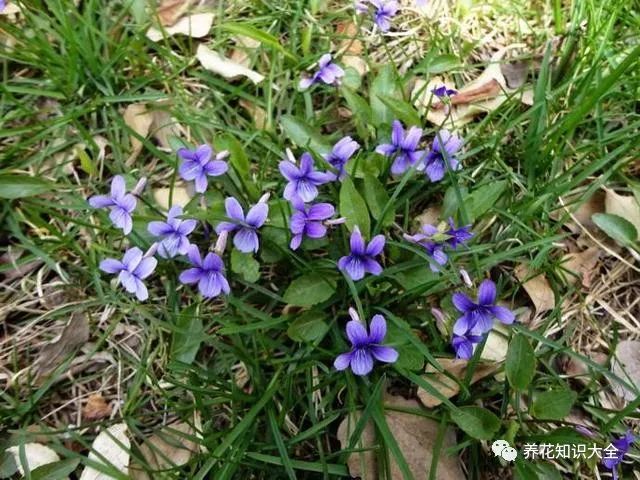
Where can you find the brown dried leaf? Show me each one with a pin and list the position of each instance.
(416, 436)
(258, 114)
(96, 408)
(216, 63)
(350, 44)
(484, 94)
(580, 265)
(182, 195)
(170, 447)
(111, 444)
(446, 385)
(626, 365)
(626, 206)
(11, 257)
(583, 214)
(430, 216)
(75, 334)
(537, 287)
(170, 10)
(197, 25)
(139, 119)
(241, 54)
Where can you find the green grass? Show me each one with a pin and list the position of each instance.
(68, 78)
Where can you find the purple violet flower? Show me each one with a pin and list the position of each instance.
(405, 147)
(361, 259)
(197, 165)
(307, 221)
(246, 237)
(445, 147)
(385, 10)
(132, 270)
(477, 318)
(2, 5)
(443, 92)
(328, 72)
(615, 452)
(303, 180)
(207, 273)
(365, 347)
(340, 154)
(121, 203)
(434, 239)
(463, 345)
(174, 233)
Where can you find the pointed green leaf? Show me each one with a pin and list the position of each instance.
(354, 208)
(520, 364)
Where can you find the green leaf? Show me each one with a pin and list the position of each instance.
(309, 290)
(553, 404)
(416, 277)
(409, 357)
(384, 85)
(354, 208)
(55, 470)
(303, 135)
(442, 63)
(245, 265)
(359, 107)
(308, 327)
(482, 199)
(237, 156)
(351, 78)
(520, 364)
(402, 110)
(19, 186)
(377, 199)
(476, 422)
(85, 161)
(264, 38)
(188, 335)
(618, 228)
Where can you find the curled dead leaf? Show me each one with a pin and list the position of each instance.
(96, 408)
(537, 287)
(169, 11)
(484, 94)
(111, 444)
(416, 436)
(580, 266)
(74, 335)
(445, 384)
(197, 25)
(139, 119)
(216, 63)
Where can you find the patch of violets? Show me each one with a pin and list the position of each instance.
(382, 11)
(312, 219)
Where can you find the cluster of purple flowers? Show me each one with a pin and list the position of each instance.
(173, 233)
(405, 150)
(622, 446)
(435, 239)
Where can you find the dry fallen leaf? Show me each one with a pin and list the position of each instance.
(626, 206)
(416, 436)
(10, 9)
(580, 266)
(537, 287)
(96, 408)
(139, 119)
(35, 454)
(582, 214)
(244, 45)
(484, 94)
(496, 346)
(170, 447)
(258, 114)
(446, 385)
(113, 445)
(429, 216)
(626, 365)
(11, 257)
(170, 10)
(350, 47)
(229, 69)
(74, 334)
(182, 195)
(197, 25)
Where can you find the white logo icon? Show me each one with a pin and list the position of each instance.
(502, 449)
